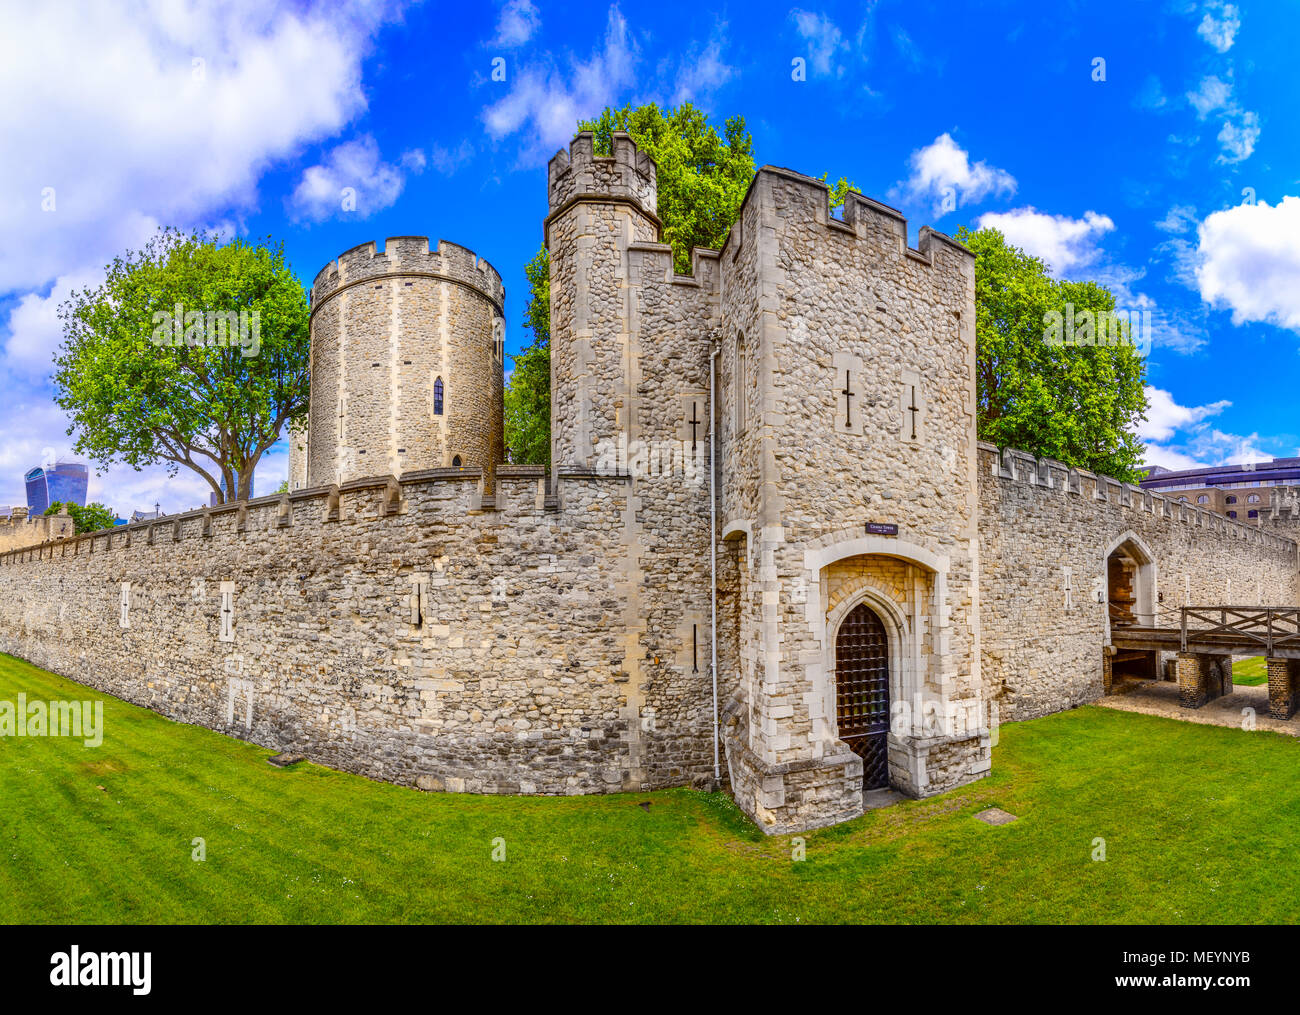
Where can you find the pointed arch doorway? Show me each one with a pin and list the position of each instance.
(862, 692)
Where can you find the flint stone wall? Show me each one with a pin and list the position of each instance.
(516, 680)
(1039, 518)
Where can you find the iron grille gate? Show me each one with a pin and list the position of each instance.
(862, 692)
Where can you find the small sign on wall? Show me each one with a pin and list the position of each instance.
(882, 529)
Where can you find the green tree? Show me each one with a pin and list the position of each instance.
(703, 177)
(210, 389)
(528, 395)
(1078, 403)
(91, 518)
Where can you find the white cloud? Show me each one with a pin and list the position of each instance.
(1212, 93)
(547, 102)
(1178, 436)
(824, 39)
(907, 48)
(1151, 96)
(448, 160)
(136, 112)
(1165, 416)
(1238, 139)
(943, 176)
(1064, 243)
(34, 328)
(1220, 25)
(353, 180)
(1179, 219)
(1249, 262)
(517, 24)
(415, 160)
(702, 73)
(1169, 458)
(1240, 128)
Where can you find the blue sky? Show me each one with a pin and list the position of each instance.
(1169, 170)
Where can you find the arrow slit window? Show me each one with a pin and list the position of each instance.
(740, 384)
(227, 615)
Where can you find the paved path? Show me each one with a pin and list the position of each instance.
(1161, 698)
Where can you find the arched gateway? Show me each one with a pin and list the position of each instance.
(862, 692)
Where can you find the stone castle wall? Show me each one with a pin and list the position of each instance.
(495, 629)
(19, 530)
(386, 326)
(1043, 526)
(398, 630)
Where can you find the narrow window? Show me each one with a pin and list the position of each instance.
(437, 397)
(740, 384)
(455, 462)
(227, 615)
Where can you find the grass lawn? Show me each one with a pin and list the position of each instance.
(1250, 672)
(1199, 825)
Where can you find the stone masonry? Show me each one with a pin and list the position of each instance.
(416, 610)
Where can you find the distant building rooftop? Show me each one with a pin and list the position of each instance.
(1278, 472)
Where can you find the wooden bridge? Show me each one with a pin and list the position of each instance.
(1205, 639)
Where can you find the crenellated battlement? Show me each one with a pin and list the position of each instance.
(413, 256)
(656, 259)
(863, 218)
(19, 530)
(1011, 465)
(451, 498)
(628, 174)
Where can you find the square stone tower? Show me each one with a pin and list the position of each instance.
(845, 528)
(847, 400)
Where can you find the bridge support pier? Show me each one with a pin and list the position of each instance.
(1283, 687)
(1203, 677)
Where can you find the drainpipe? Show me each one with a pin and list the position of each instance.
(713, 547)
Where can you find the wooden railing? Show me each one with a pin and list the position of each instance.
(1271, 627)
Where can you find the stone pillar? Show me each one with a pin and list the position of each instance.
(1192, 673)
(1283, 684)
(1107, 657)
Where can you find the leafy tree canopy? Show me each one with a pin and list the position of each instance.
(1076, 397)
(191, 353)
(528, 396)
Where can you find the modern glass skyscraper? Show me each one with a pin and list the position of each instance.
(65, 482)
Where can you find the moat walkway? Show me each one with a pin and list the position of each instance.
(1205, 639)
(1162, 698)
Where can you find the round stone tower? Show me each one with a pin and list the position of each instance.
(407, 349)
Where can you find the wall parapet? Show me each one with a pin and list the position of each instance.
(1011, 465)
(521, 490)
(863, 217)
(413, 256)
(628, 174)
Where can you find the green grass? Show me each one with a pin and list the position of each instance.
(1199, 825)
(1250, 672)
